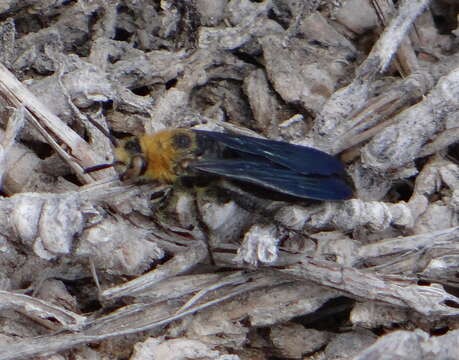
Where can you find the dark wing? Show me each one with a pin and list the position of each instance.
(301, 159)
(278, 179)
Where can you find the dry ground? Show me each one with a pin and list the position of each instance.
(94, 269)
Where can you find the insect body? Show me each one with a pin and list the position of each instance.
(294, 170)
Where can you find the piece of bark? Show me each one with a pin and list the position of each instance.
(293, 340)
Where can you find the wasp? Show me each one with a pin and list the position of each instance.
(170, 155)
(298, 171)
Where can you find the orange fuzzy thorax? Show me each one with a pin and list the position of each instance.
(161, 156)
(165, 156)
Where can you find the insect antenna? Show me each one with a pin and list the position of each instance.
(112, 140)
(103, 131)
(98, 167)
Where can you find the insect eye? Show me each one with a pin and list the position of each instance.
(133, 146)
(137, 168)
